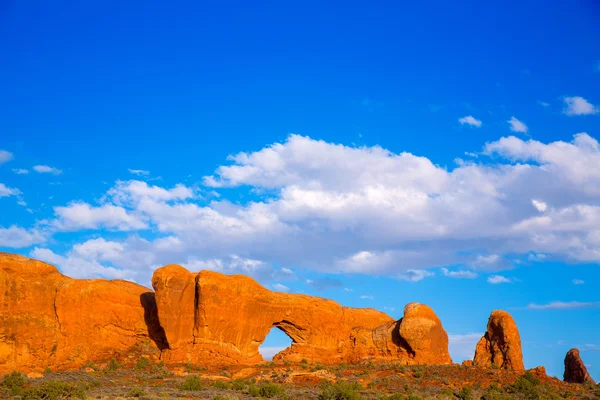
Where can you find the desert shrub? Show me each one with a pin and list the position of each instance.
(160, 370)
(47, 371)
(304, 361)
(191, 383)
(419, 373)
(112, 366)
(221, 385)
(527, 385)
(54, 390)
(14, 382)
(413, 397)
(269, 390)
(238, 384)
(396, 396)
(142, 363)
(225, 397)
(466, 393)
(136, 392)
(340, 390)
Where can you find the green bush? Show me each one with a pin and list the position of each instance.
(466, 393)
(269, 390)
(47, 371)
(142, 363)
(14, 382)
(238, 384)
(526, 385)
(341, 390)
(413, 397)
(419, 373)
(54, 390)
(192, 383)
(221, 385)
(112, 366)
(136, 392)
(253, 391)
(395, 396)
(160, 370)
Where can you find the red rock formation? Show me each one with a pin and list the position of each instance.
(50, 320)
(575, 370)
(501, 344)
(213, 317)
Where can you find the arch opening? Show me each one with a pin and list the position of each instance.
(275, 341)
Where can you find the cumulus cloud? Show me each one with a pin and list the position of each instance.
(364, 210)
(539, 205)
(460, 274)
(139, 172)
(5, 156)
(496, 279)
(45, 169)
(516, 125)
(577, 105)
(6, 191)
(559, 305)
(20, 171)
(17, 237)
(470, 120)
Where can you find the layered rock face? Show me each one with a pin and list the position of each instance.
(575, 370)
(50, 320)
(213, 317)
(501, 344)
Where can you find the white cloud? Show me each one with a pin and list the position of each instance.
(496, 279)
(269, 352)
(577, 105)
(79, 267)
(470, 120)
(44, 169)
(20, 171)
(539, 205)
(138, 172)
(459, 274)
(471, 154)
(414, 275)
(578, 282)
(559, 305)
(516, 125)
(6, 191)
(462, 347)
(543, 103)
(78, 216)
(280, 288)
(366, 297)
(5, 156)
(363, 210)
(16, 237)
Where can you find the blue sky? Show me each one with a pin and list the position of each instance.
(372, 153)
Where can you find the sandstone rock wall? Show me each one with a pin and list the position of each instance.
(501, 344)
(575, 370)
(50, 320)
(210, 316)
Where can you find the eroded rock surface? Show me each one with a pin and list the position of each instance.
(575, 370)
(50, 320)
(500, 346)
(208, 317)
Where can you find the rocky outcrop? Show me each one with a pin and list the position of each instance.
(50, 320)
(575, 370)
(500, 346)
(208, 316)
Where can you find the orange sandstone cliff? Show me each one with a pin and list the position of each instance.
(501, 344)
(210, 317)
(50, 320)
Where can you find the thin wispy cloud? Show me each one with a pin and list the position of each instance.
(6, 191)
(20, 171)
(414, 275)
(281, 288)
(577, 105)
(45, 169)
(543, 103)
(5, 156)
(517, 126)
(139, 172)
(461, 274)
(366, 297)
(578, 282)
(560, 305)
(497, 279)
(470, 120)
